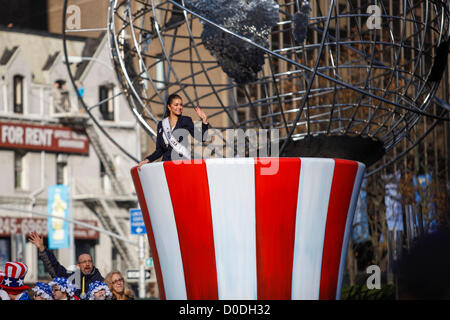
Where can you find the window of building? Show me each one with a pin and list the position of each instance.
(18, 246)
(61, 169)
(106, 93)
(242, 116)
(19, 170)
(241, 113)
(116, 261)
(18, 94)
(61, 97)
(104, 178)
(102, 170)
(42, 273)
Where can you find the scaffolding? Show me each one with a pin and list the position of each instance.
(107, 205)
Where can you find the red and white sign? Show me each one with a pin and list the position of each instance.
(222, 229)
(10, 225)
(43, 138)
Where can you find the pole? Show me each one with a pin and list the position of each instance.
(71, 226)
(141, 268)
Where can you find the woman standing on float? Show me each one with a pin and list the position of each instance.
(166, 142)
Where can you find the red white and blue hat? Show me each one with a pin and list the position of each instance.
(43, 290)
(64, 285)
(97, 286)
(14, 275)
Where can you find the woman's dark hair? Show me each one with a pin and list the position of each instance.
(172, 97)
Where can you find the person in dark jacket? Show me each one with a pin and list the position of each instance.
(173, 120)
(81, 278)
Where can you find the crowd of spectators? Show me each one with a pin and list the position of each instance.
(84, 283)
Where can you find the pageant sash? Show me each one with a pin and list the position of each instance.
(170, 139)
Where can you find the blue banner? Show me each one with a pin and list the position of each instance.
(58, 205)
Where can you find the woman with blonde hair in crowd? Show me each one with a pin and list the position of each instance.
(118, 286)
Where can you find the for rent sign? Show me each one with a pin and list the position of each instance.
(43, 138)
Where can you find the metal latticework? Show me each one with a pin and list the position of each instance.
(316, 70)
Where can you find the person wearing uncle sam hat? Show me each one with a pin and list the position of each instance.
(13, 282)
(62, 289)
(99, 290)
(42, 291)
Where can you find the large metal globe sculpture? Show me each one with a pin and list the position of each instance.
(338, 79)
(344, 79)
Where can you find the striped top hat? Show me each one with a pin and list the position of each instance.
(14, 276)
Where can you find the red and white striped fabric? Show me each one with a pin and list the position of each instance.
(223, 229)
(16, 270)
(14, 275)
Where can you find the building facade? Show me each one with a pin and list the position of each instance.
(47, 139)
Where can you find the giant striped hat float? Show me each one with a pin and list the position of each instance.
(249, 228)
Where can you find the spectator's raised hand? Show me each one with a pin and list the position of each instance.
(37, 240)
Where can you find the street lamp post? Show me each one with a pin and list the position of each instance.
(141, 267)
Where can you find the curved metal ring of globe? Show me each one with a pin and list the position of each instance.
(336, 79)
